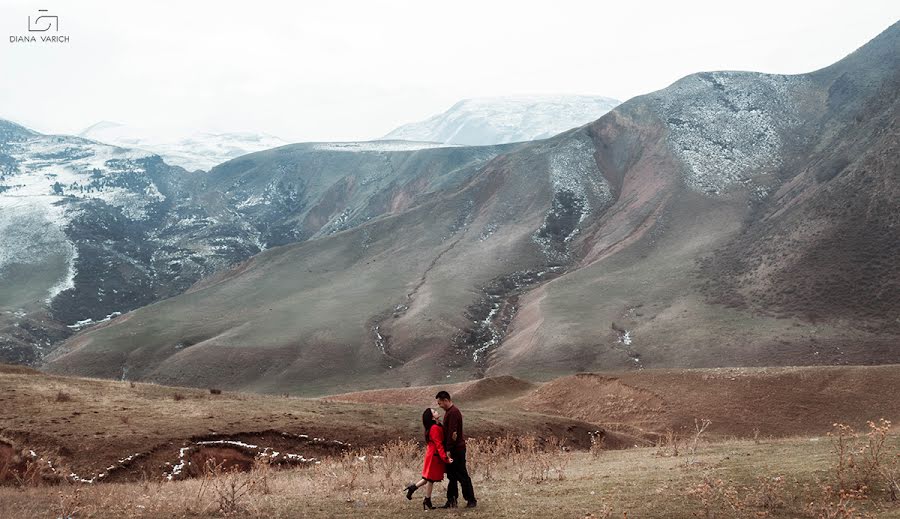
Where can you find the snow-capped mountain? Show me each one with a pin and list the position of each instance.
(730, 219)
(199, 151)
(89, 231)
(500, 120)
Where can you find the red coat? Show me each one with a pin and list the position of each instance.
(435, 455)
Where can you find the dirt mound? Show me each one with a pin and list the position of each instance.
(740, 401)
(596, 398)
(492, 387)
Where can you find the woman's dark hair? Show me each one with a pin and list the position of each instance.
(428, 421)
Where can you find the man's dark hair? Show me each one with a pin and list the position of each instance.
(442, 395)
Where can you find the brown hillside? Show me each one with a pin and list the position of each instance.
(740, 402)
(87, 425)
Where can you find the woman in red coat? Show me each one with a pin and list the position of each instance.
(435, 457)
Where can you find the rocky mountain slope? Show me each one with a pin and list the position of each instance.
(89, 231)
(200, 151)
(498, 120)
(706, 224)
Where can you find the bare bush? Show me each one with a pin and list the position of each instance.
(716, 497)
(598, 439)
(834, 504)
(863, 460)
(230, 488)
(700, 426)
(393, 460)
(487, 454)
(62, 396)
(668, 444)
(70, 503)
(344, 474)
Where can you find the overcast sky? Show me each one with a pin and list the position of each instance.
(342, 70)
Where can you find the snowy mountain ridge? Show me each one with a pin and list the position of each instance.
(201, 151)
(500, 120)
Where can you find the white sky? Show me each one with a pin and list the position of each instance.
(346, 70)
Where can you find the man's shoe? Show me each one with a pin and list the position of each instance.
(451, 503)
(471, 504)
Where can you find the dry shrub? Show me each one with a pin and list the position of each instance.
(393, 461)
(668, 445)
(768, 494)
(35, 474)
(604, 512)
(177, 397)
(343, 474)
(700, 426)
(213, 391)
(62, 396)
(863, 460)
(834, 504)
(530, 458)
(485, 455)
(718, 498)
(231, 488)
(557, 454)
(386, 469)
(598, 438)
(70, 503)
(262, 474)
(25, 469)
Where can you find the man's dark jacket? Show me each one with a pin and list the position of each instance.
(454, 439)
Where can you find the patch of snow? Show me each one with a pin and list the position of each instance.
(573, 170)
(78, 325)
(722, 128)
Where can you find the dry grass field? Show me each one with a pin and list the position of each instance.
(155, 451)
(787, 478)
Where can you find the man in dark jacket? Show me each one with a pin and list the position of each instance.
(455, 445)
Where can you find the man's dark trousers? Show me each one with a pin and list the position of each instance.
(457, 471)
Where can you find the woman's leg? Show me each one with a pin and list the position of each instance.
(429, 486)
(420, 483)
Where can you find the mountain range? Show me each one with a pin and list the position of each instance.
(89, 231)
(730, 219)
(502, 120)
(200, 151)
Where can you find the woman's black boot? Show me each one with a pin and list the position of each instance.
(410, 490)
(426, 504)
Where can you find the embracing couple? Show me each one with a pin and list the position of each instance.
(445, 452)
